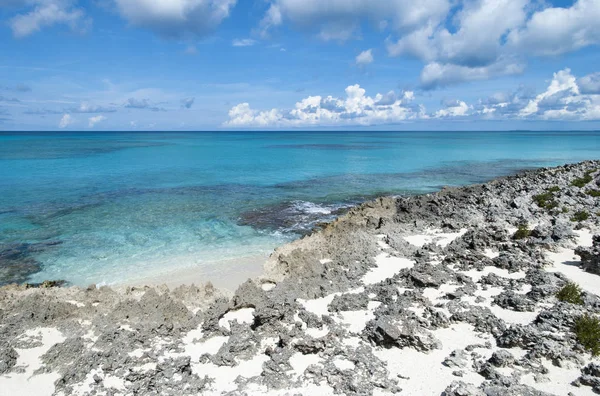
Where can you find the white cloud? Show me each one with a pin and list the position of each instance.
(176, 18)
(557, 30)
(340, 19)
(477, 40)
(562, 100)
(456, 108)
(365, 58)
(590, 84)
(355, 109)
(94, 120)
(436, 75)
(247, 42)
(46, 13)
(65, 121)
(489, 38)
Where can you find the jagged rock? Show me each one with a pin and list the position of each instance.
(349, 302)
(459, 388)
(457, 359)
(386, 332)
(590, 256)
(502, 358)
(590, 376)
(508, 299)
(8, 357)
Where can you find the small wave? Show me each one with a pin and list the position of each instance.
(293, 217)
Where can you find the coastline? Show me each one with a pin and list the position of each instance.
(437, 280)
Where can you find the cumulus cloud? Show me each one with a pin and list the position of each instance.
(46, 13)
(247, 42)
(453, 108)
(482, 39)
(564, 99)
(176, 18)
(556, 30)
(65, 121)
(477, 40)
(589, 84)
(365, 58)
(356, 108)
(96, 119)
(340, 20)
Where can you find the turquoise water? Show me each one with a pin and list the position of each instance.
(107, 208)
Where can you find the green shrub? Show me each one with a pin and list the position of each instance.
(587, 330)
(545, 200)
(593, 193)
(522, 232)
(570, 293)
(565, 209)
(582, 181)
(580, 216)
(553, 189)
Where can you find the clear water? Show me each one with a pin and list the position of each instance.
(121, 206)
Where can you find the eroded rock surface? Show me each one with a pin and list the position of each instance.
(417, 295)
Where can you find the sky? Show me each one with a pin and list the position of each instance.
(79, 65)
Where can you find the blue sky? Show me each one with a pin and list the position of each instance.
(285, 64)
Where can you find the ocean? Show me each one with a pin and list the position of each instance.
(113, 208)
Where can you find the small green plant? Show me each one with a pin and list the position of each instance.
(553, 189)
(582, 181)
(582, 215)
(593, 193)
(570, 293)
(545, 200)
(522, 232)
(565, 209)
(587, 331)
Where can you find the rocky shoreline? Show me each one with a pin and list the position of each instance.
(452, 293)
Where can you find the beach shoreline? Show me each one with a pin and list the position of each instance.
(396, 291)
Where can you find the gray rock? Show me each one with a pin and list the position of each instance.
(388, 333)
(590, 256)
(8, 357)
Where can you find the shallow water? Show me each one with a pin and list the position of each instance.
(109, 208)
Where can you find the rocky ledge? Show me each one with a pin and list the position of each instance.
(453, 293)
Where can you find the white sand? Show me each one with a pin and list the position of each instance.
(568, 263)
(318, 306)
(558, 380)
(244, 315)
(387, 267)
(224, 376)
(300, 362)
(477, 275)
(440, 238)
(26, 383)
(268, 286)
(491, 253)
(343, 364)
(195, 348)
(427, 376)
